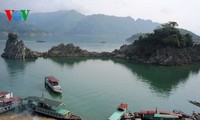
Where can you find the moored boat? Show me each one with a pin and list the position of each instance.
(53, 84)
(121, 113)
(159, 115)
(50, 107)
(8, 102)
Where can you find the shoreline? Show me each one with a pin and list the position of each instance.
(16, 116)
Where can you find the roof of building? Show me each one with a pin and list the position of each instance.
(11, 99)
(46, 101)
(122, 106)
(116, 115)
(52, 79)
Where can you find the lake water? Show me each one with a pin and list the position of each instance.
(93, 88)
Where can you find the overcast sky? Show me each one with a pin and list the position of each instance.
(184, 12)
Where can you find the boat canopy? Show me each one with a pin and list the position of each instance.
(44, 100)
(116, 115)
(52, 79)
(63, 111)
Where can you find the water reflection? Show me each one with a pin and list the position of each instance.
(62, 61)
(70, 62)
(15, 66)
(53, 94)
(161, 79)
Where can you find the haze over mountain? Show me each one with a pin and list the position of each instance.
(73, 22)
(22, 28)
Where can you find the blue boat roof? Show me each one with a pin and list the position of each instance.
(116, 115)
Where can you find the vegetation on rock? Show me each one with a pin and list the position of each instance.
(167, 35)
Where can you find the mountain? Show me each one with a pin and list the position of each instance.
(59, 22)
(111, 25)
(22, 28)
(195, 37)
(73, 22)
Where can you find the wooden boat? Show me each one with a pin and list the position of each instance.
(50, 108)
(121, 113)
(8, 102)
(53, 84)
(195, 103)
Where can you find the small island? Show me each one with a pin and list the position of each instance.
(166, 46)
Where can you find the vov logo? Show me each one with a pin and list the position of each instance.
(17, 15)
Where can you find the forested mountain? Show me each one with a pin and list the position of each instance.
(22, 28)
(73, 22)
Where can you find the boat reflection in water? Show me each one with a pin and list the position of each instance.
(54, 95)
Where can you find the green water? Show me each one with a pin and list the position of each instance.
(93, 88)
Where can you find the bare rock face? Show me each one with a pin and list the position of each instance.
(16, 49)
(68, 50)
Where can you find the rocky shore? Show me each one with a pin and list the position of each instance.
(16, 49)
(150, 54)
(167, 56)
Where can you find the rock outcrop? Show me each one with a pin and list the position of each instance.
(68, 50)
(141, 52)
(168, 56)
(16, 49)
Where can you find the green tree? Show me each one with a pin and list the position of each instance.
(168, 35)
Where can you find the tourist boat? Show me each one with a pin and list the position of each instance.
(159, 115)
(121, 113)
(8, 102)
(49, 107)
(53, 84)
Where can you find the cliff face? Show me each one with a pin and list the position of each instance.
(16, 49)
(167, 56)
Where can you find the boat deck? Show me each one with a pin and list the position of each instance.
(44, 100)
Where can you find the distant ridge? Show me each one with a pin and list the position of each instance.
(73, 22)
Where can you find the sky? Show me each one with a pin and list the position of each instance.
(184, 12)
